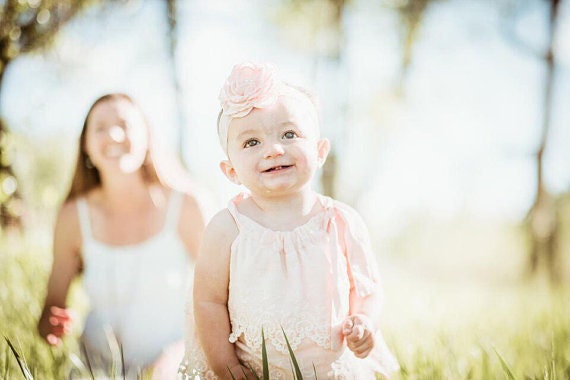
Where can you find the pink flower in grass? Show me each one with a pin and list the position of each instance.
(249, 85)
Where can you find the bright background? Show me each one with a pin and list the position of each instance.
(438, 160)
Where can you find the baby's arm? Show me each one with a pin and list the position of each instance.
(359, 328)
(361, 325)
(211, 296)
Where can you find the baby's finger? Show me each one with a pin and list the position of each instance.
(362, 348)
(362, 352)
(356, 334)
(347, 326)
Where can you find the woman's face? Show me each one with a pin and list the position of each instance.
(116, 137)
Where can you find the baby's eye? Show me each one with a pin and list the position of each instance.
(251, 142)
(290, 135)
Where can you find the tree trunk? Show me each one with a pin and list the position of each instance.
(339, 109)
(543, 221)
(172, 11)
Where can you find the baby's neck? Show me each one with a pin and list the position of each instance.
(282, 213)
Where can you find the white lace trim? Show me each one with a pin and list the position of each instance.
(297, 327)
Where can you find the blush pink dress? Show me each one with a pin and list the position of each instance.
(298, 281)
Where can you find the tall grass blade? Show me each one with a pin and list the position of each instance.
(123, 368)
(504, 365)
(231, 373)
(264, 356)
(89, 366)
(21, 362)
(314, 370)
(244, 374)
(298, 374)
(78, 363)
(6, 363)
(254, 373)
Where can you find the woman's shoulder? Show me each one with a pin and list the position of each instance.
(68, 211)
(67, 224)
(195, 199)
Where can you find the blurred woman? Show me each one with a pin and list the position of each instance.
(133, 237)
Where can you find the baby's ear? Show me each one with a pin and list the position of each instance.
(323, 149)
(229, 171)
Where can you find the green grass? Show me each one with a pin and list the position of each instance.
(438, 328)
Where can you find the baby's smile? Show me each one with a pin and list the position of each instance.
(277, 168)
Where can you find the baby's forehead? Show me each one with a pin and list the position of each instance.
(286, 112)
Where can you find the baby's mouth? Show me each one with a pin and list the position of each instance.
(276, 168)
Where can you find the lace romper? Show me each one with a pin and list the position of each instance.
(300, 281)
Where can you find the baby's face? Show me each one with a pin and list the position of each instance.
(275, 150)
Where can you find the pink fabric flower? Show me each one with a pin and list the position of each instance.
(249, 85)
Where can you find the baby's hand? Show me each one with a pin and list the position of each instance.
(359, 334)
(60, 321)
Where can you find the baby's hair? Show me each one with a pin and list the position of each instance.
(308, 93)
(219, 118)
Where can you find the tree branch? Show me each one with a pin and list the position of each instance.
(35, 36)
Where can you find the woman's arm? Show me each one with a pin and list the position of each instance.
(55, 319)
(191, 225)
(211, 281)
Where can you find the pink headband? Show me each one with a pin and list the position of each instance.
(252, 86)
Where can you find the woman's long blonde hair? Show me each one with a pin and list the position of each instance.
(86, 176)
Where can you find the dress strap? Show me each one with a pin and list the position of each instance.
(232, 208)
(174, 207)
(84, 220)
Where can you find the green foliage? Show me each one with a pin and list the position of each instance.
(504, 365)
(23, 270)
(21, 361)
(297, 372)
(442, 331)
(264, 355)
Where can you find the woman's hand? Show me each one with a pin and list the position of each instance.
(359, 333)
(56, 323)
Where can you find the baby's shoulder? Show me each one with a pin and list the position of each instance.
(350, 217)
(346, 211)
(222, 228)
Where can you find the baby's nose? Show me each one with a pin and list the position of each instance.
(274, 150)
(117, 134)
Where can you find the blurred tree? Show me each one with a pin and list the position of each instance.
(317, 26)
(25, 26)
(172, 14)
(411, 14)
(543, 219)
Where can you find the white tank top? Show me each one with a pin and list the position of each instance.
(137, 290)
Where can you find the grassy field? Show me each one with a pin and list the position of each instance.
(438, 329)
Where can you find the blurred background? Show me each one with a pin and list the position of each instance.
(449, 122)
